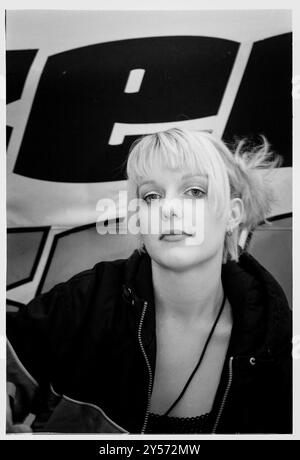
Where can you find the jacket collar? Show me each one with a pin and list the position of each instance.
(261, 315)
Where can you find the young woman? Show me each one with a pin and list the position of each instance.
(189, 334)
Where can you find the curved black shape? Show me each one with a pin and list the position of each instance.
(264, 101)
(81, 95)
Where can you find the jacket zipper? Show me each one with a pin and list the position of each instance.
(151, 380)
(148, 367)
(224, 397)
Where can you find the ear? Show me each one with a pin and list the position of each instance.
(236, 214)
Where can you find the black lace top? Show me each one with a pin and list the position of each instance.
(164, 424)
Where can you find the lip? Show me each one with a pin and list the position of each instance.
(174, 236)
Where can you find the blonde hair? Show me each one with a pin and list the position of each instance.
(232, 172)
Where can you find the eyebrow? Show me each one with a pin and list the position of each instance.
(185, 176)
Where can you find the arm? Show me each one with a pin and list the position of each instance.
(37, 337)
(21, 389)
(43, 337)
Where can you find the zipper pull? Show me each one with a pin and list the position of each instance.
(127, 292)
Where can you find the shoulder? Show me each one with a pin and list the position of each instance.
(100, 276)
(260, 307)
(68, 302)
(105, 275)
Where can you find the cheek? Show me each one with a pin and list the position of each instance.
(194, 221)
(214, 230)
(150, 219)
(209, 228)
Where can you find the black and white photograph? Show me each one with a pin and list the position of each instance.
(149, 277)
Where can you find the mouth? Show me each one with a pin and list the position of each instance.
(174, 235)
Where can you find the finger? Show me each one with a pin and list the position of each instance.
(21, 428)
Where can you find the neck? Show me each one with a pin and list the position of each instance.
(190, 295)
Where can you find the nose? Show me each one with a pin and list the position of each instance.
(170, 208)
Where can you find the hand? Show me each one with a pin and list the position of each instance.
(14, 427)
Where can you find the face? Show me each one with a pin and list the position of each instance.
(179, 227)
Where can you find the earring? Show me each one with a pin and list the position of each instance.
(229, 232)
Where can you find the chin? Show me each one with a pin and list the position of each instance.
(177, 258)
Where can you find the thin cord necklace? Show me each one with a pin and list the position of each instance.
(201, 357)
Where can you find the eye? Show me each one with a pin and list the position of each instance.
(196, 192)
(151, 196)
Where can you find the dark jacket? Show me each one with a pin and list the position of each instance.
(83, 354)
